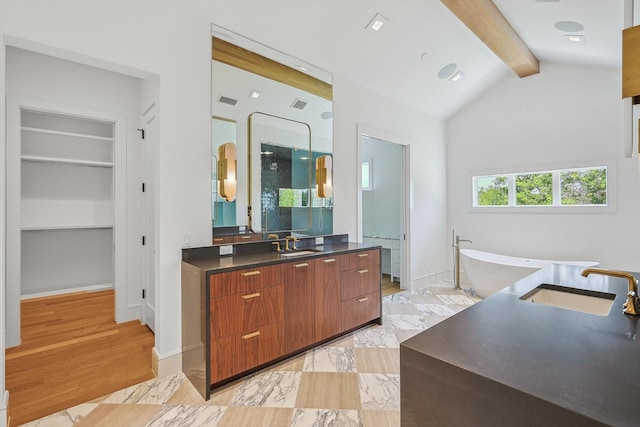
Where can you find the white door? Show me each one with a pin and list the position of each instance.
(150, 132)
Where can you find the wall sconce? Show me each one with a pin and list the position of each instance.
(227, 166)
(324, 176)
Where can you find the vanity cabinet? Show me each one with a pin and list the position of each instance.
(236, 238)
(246, 325)
(259, 315)
(327, 297)
(359, 288)
(299, 325)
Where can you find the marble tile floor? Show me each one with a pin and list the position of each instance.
(351, 381)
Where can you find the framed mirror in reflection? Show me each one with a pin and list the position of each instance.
(285, 175)
(259, 95)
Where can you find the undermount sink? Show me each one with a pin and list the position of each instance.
(591, 302)
(297, 253)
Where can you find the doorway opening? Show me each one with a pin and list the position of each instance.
(383, 218)
(74, 222)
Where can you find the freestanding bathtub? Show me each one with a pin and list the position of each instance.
(488, 272)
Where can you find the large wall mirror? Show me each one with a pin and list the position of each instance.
(277, 112)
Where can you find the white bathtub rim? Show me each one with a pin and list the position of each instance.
(512, 261)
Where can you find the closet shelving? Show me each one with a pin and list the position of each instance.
(66, 201)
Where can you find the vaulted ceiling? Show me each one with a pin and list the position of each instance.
(403, 59)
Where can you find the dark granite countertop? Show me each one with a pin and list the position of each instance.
(585, 363)
(224, 263)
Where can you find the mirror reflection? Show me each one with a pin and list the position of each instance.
(223, 208)
(264, 94)
(288, 197)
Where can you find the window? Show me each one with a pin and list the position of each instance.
(534, 189)
(559, 187)
(367, 172)
(492, 190)
(583, 187)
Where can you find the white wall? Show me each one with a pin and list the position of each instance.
(148, 39)
(145, 39)
(355, 105)
(563, 116)
(4, 395)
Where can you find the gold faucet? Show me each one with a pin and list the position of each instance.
(273, 236)
(293, 239)
(632, 305)
(277, 245)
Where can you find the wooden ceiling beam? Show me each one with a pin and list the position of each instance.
(486, 21)
(252, 62)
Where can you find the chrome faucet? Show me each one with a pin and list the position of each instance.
(293, 239)
(632, 305)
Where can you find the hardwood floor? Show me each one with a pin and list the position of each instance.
(389, 287)
(72, 351)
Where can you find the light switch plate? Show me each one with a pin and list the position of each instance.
(226, 250)
(319, 240)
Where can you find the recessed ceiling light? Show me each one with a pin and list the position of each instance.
(266, 153)
(377, 22)
(575, 38)
(447, 71)
(255, 94)
(569, 26)
(457, 76)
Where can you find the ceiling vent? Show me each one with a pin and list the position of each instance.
(299, 104)
(227, 100)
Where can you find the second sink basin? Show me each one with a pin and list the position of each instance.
(297, 253)
(598, 303)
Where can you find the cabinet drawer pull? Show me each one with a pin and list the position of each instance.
(257, 294)
(245, 237)
(329, 260)
(218, 239)
(251, 335)
(304, 264)
(363, 299)
(362, 271)
(362, 255)
(251, 273)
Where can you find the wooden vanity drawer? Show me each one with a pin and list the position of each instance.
(245, 281)
(359, 281)
(360, 259)
(241, 352)
(222, 240)
(249, 237)
(360, 310)
(262, 345)
(239, 313)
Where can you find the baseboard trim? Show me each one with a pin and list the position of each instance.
(165, 365)
(432, 279)
(66, 291)
(4, 410)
